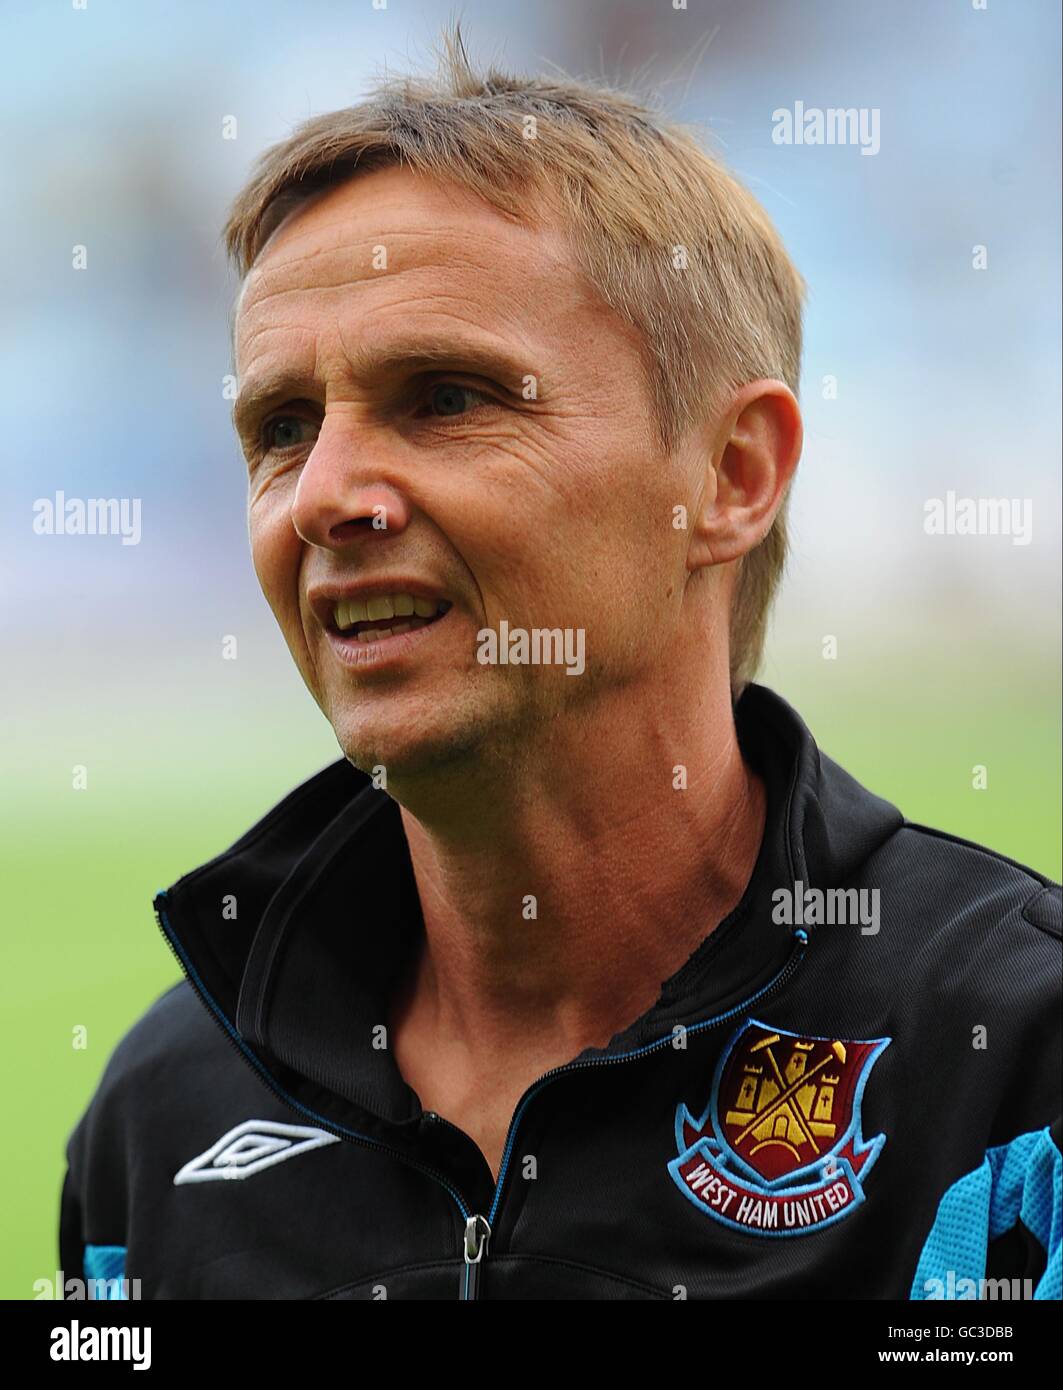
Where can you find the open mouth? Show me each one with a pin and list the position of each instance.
(385, 615)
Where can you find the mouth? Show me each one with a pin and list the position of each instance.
(382, 616)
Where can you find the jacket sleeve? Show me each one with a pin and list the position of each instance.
(1001, 1222)
(92, 1203)
(996, 1232)
(71, 1241)
(103, 1151)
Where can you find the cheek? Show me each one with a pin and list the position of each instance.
(275, 551)
(623, 563)
(570, 535)
(622, 542)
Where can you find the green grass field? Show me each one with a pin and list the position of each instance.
(81, 946)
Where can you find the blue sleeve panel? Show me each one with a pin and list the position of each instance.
(105, 1271)
(1017, 1182)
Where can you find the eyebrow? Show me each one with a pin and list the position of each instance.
(418, 354)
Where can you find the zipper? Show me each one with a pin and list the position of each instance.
(477, 1232)
(777, 982)
(478, 1228)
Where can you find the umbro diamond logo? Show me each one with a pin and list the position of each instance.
(250, 1147)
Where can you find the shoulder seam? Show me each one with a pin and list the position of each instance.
(1042, 922)
(1040, 879)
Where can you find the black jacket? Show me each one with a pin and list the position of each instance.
(810, 1110)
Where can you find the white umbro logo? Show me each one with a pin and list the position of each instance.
(250, 1147)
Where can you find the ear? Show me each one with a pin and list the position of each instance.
(754, 453)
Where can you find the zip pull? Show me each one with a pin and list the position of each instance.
(477, 1234)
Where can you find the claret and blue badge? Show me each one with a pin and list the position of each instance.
(778, 1150)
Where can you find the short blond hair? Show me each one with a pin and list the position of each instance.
(665, 234)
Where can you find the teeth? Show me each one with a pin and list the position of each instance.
(348, 613)
(380, 606)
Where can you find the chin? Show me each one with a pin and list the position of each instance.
(407, 750)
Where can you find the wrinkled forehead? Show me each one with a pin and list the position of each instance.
(399, 237)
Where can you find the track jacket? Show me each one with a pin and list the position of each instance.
(850, 1090)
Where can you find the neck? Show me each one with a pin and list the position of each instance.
(557, 895)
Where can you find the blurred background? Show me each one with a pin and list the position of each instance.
(922, 376)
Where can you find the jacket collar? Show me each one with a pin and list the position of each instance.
(296, 935)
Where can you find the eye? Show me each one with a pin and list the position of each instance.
(452, 398)
(288, 432)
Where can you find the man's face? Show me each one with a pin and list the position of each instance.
(462, 423)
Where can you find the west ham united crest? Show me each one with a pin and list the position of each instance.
(778, 1151)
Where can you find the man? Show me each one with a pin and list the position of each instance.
(582, 974)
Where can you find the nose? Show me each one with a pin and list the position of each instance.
(341, 494)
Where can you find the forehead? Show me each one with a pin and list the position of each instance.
(400, 241)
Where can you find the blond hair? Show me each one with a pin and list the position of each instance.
(666, 235)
